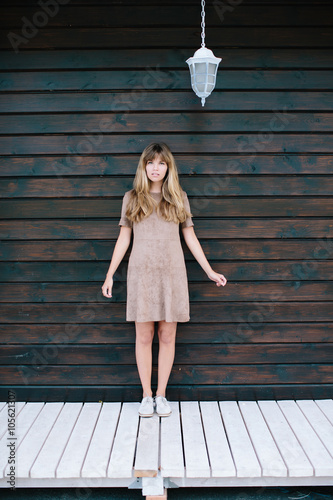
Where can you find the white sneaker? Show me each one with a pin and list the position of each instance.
(162, 406)
(147, 407)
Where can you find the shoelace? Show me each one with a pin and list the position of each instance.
(162, 398)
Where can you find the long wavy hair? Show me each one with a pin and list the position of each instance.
(141, 203)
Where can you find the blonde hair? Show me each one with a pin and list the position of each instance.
(141, 203)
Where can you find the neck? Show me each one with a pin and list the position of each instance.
(156, 187)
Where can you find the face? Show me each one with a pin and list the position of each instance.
(156, 170)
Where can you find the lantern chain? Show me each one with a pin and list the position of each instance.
(203, 23)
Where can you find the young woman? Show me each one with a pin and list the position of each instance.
(157, 288)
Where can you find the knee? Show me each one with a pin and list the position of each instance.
(145, 337)
(166, 335)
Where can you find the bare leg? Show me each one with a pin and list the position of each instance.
(143, 353)
(166, 354)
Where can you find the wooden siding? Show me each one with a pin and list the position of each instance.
(79, 101)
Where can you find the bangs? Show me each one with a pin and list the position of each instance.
(157, 150)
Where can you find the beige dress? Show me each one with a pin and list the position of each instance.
(157, 287)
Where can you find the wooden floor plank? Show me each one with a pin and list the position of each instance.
(293, 454)
(122, 455)
(172, 457)
(147, 449)
(313, 447)
(4, 417)
(35, 438)
(196, 458)
(221, 462)
(319, 422)
(71, 462)
(245, 459)
(24, 421)
(326, 406)
(50, 454)
(98, 455)
(268, 454)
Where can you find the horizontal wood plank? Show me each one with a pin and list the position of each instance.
(232, 249)
(237, 14)
(86, 293)
(162, 122)
(95, 229)
(255, 313)
(189, 392)
(235, 57)
(267, 142)
(201, 206)
(178, 79)
(181, 374)
(242, 36)
(146, 98)
(203, 164)
(245, 353)
(67, 272)
(203, 186)
(188, 333)
(184, 2)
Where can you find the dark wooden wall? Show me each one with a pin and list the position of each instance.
(80, 98)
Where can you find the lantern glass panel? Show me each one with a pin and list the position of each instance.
(212, 68)
(200, 68)
(200, 78)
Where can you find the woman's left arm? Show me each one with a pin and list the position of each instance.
(194, 245)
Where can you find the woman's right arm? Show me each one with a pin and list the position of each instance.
(122, 244)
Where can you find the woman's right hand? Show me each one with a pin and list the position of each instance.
(107, 287)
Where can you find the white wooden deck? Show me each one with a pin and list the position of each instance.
(264, 443)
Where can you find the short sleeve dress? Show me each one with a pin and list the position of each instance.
(157, 287)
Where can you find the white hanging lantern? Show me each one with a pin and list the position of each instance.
(203, 66)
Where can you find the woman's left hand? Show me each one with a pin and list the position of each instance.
(218, 278)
